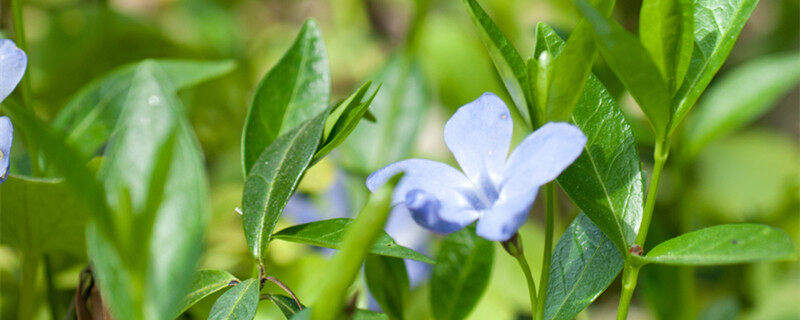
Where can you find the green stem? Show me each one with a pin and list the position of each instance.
(523, 263)
(660, 157)
(630, 276)
(27, 285)
(52, 300)
(550, 205)
(345, 265)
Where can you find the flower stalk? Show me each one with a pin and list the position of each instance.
(514, 248)
(550, 208)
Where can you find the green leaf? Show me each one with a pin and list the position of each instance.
(274, 178)
(155, 182)
(584, 264)
(509, 64)
(666, 29)
(330, 233)
(35, 209)
(633, 65)
(570, 69)
(717, 24)
(240, 302)
(286, 304)
(89, 118)
(206, 282)
(460, 275)
(348, 115)
(294, 91)
(360, 314)
(740, 97)
(399, 108)
(387, 280)
(724, 244)
(606, 180)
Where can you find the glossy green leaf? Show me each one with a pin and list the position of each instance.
(286, 304)
(571, 68)
(330, 233)
(399, 108)
(35, 209)
(666, 29)
(294, 91)
(240, 302)
(155, 182)
(584, 263)
(89, 118)
(273, 179)
(633, 65)
(206, 283)
(606, 180)
(740, 97)
(724, 244)
(338, 128)
(507, 61)
(460, 275)
(717, 24)
(387, 281)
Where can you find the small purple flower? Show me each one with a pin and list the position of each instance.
(495, 188)
(12, 66)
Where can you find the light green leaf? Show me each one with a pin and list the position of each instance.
(633, 65)
(274, 178)
(89, 118)
(286, 304)
(724, 244)
(294, 91)
(206, 282)
(584, 264)
(606, 180)
(509, 64)
(740, 97)
(666, 29)
(460, 275)
(349, 114)
(717, 24)
(399, 108)
(240, 302)
(387, 280)
(330, 233)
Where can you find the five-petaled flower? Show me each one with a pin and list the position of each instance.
(12, 66)
(495, 188)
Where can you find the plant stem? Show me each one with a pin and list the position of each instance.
(630, 275)
(52, 300)
(550, 205)
(523, 263)
(660, 157)
(27, 285)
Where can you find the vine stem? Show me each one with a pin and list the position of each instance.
(514, 247)
(550, 205)
(630, 273)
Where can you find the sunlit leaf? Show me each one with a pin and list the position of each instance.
(240, 302)
(666, 29)
(206, 283)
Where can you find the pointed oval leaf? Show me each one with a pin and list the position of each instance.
(724, 244)
(330, 233)
(274, 178)
(387, 281)
(584, 264)
(339, 128)
(287, 305)
(460, 275)
(206, 283)
(240, 302)
(666, 29)
(294, 91)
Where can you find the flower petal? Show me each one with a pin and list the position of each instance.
(544, 154)
(509, 212)
(12, 66)
(6, 136)
(479, 136)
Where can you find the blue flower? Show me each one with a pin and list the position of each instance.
(494, 188)
(12, 66)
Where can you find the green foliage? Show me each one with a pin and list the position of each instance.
(387, 280)
(287, 305)
(460, 275)
(206, 283)
(240, 302)
(343, 119)
(666, 29)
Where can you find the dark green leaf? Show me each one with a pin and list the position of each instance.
(240, 302)
(606, 180)
(666, 29)
(717, 24)
(724, 244)
(387, 280)
(91, 115)
(294, 91)
(287, 305)
(633, 65)
(740, 97)
(273, 179)
(507, 60)
(35, 209)
(399, 108)
(336, 130)
(584, 264)
(460, 275)
(330, 233)
(206, 282)
(360, 314)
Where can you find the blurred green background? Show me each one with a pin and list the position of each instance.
(752, 175)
